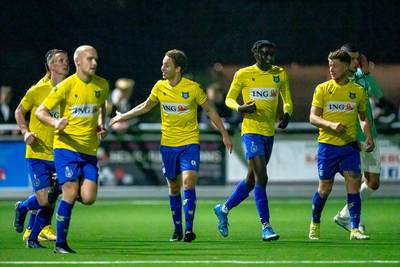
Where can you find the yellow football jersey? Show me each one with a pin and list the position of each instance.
(340, 103)
(262, 87)
(79, 103)
(178, 106)
(43, 80)
(42, 147)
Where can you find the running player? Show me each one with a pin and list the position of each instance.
(260, 85)
(335, 107)
(39, 154)
(81, 98)
(370, 161)
(179, 98)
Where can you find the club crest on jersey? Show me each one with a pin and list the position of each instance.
(276, 78)
(55, 88)
(352, 95)
(185, 95)
(97, 94)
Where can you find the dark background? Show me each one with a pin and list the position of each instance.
(132, 36)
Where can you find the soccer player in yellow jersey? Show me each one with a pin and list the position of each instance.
(180, 151)
(39, 150)
(335, 107)
(260, 86)
(370, 161)
(79, 129)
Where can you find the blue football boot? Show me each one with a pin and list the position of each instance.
(222, 220)
(268, 233)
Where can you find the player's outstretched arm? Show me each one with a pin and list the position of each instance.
(140, 109)
(216, 119)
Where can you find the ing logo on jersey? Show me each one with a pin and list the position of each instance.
(55, 113)
(336, 106)
(175, 108)
(185, 95)
(84, 111)
(263, 93)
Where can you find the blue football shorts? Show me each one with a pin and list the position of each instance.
(333, 159)
(258, 145)
(177, 159)
(71, 166)
(40, 172)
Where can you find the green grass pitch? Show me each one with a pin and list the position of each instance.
(136, 233)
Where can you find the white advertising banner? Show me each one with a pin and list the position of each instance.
(296, 160)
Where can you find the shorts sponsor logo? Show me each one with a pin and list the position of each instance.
(36, 181)
(336, 106)
(175, 108)
(263, 93)
(68, 172)
(193, 162)
(253, 147)
(84, 111)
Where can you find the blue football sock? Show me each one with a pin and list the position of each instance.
(189, 208)
(175, 203)
(260, 197)
(241, 193)
(30, 203)
(317, 207)
(40, 222)
(32, 219)
(63, 218)
(48, 219)
(354, 205)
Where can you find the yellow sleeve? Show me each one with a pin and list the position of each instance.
(318, 100)
(233, 93)
(286, 95)
(201, 96)
(55, 97)
(28, 101)
(154, 93)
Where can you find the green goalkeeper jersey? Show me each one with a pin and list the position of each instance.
(372, 89)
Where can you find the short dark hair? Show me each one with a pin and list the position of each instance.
(179, 58)
(50, 55)
(349, 47)
(340, 54)
(261, 43)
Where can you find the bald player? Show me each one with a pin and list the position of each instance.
(79, 130)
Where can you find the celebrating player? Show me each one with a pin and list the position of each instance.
(79, 129)
(370, 161)
(260, 85)
(335, 106)
(39, 154)
(180, 151)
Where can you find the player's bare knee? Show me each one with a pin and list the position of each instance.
(88, 200)
(373, 184)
